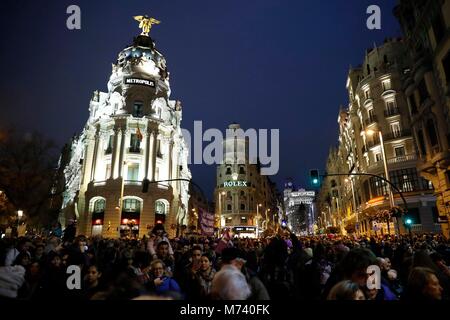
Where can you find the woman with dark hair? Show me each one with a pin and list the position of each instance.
(205, 275)
(422, 285)
(346, 290)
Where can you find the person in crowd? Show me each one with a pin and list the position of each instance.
(230, 284)
(160, 283)
(23, 246)
(70, 232)
(157, 235)
(234, 257)
(92, 283)
(205, 276)
(346, 290)
(163, 254)
(423, 285)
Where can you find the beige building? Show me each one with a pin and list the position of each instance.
(426, 28)
(245, 200)
(375, 127)
(130, 144)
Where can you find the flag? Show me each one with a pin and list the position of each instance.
(139, 134)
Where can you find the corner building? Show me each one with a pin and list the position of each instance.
(132, 136)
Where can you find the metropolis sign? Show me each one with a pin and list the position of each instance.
(228, 184)
(143, 82)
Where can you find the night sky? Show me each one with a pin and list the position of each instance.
(262, 63)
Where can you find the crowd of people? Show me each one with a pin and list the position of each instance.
(282, 266)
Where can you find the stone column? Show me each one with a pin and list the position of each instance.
(114, 154)
(147, 154)
(122, 151)
(94, 158)
(154, 154)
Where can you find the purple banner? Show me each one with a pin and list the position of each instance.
(206, 222)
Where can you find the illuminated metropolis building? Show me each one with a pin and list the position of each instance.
(130, 144)
(246, 201)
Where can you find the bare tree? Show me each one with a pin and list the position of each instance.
(28, 165)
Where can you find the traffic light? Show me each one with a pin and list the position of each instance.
(314, 178)
(145, 184)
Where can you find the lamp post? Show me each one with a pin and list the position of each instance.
(354, 202)
(19, 216)
(221, 194)
(257, 218)
(371, 132)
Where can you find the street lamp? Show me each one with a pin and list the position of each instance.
(19, 216)
(371, 132)
(221, 194)
(257, 218)
(354, 202)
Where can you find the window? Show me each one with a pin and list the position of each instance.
(228, 170)
(242, 206)
(241, 170)
(229, 207)
(135, 143)
(386, 85)
(399, 151)
(385, 59)
(412, 104)
(431, 130)
(109, 148)
(138, 109)
(133, 172)
(446, 66)
(158, 148)
(99, 205)
(131, 205)
(395, 129)
(391, 108)
(108, 171)
(407, 180)
(378, 187)
(161, 207)
(439, 28)
(421, 141)
(242, 194)
(367, 94)
(423, 91)
(377, 157)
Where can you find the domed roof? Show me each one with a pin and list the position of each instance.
(143, 47)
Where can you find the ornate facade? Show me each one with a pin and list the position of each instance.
(130, 144)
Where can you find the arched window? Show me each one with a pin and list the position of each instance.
(432, 133)
(241, 170)
(161, 206)
(242, 206)
(228, 207)
(99, 205)
(131, 205)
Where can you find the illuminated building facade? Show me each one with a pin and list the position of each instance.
(377, 108)
(300, 209)
(245, 201)
(131, 141)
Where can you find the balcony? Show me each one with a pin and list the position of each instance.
(409, 157)
(397, 135)
(371, 120)
(391, 112)
(134, 150)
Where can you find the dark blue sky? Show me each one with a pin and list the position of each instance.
(262, 63)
